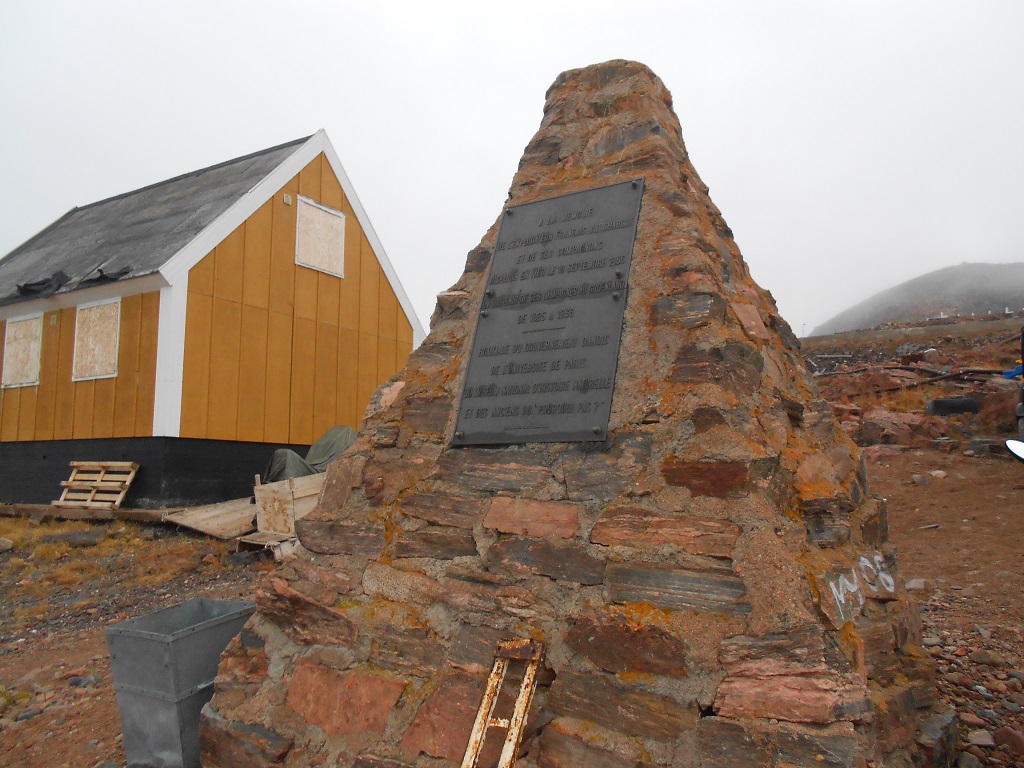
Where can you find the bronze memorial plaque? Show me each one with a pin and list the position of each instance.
(542, 364)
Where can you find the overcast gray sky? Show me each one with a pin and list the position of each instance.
(850, 145)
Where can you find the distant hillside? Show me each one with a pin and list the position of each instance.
(961, 290)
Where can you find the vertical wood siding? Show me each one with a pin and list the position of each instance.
(279, 353)
(61, 409)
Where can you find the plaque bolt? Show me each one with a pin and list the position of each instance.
(483, 314)
(635, 184)
(459, 435)
(618, 275)
(616, 296)
(508, 212)
(596, 430)
(488, 293)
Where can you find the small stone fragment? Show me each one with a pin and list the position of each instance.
(987, 657)
(981, 738)
(915, 585)
(6, 545)
(1010, 738)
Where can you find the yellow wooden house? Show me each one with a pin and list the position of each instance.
(208, 318)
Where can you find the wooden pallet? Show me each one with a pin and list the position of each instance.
(97, 484)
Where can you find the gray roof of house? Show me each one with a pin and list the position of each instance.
(133, 234)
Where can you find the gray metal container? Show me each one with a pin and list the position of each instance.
(164, 665)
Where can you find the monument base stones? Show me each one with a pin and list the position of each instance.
(700, 555)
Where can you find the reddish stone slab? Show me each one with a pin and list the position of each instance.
(442, 509)
(490, 470)
(343, 703)
(616, 645)
(559, 750)
(226, 743)
(442, 725)
(603, 475)
(303, 619)
(563, 562)
(637, 527)
(737, 367)
(750, 319)
(677, 588)
(721, 479)
(409, 650)
(526, 517)
(362, 538)
(439, 543)
(626, 709)
(689, 310)
(814, 698)
(428, 416)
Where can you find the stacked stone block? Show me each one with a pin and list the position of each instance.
(713, 583)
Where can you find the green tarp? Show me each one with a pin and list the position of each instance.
(286, 463)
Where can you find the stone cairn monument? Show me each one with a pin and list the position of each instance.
(609, 444)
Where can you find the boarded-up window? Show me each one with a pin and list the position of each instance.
(96, 333)
(23, 343)
(320, 238)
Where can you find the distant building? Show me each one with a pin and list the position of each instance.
(196, 324)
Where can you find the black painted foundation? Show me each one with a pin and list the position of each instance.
(174, 471)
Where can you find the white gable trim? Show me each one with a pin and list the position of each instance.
(418, 333)
(170, 355)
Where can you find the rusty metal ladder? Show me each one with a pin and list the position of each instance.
(507, 651)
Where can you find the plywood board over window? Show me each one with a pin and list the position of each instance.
(320, 238)
(97, 327)
(23, 343)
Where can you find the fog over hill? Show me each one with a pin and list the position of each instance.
(961, 290)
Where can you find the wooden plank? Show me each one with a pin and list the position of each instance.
(9, 414)
(125, 466)
(258, 241)
(196, 367)
(100, 485)
(277, 410)
(305, 292)
(302, 382)
(348, 377)
(348, 316)
(62, 511)
(127, 381)
(103, 408)
(274, 508)
(387, 310)
(225, 354)
(328, 297)
(325, 381)
(27, 413)
(282, 255)
(83, 409)
(145, 398)
(200, 277)
(330, 188)
(64, 398)
(252, 371)
(369, 288)
(367, 379)
(309, 179)
(229, 266)
(225, 520)
(309, 485)
(47, 391)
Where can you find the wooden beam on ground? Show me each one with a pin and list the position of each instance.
(225, 520)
